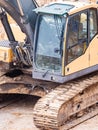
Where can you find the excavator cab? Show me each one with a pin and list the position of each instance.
(62, 40)
(49, 38)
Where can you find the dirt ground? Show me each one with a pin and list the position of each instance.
(91, 124)
(16, 114)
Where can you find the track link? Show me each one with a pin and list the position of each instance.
(55, 109)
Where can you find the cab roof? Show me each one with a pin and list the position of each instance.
(61, 8)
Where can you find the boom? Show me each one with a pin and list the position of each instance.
(22, 13)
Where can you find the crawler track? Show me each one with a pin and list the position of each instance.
(66, 103)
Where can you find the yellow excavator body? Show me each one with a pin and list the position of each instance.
(88, 59)
(62, 47)
(89, 56)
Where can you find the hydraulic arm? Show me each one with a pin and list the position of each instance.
(22, 13)
(6, 25)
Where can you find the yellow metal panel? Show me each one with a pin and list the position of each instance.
(79, 6)
(78, 64)
(63, 59)
(90, 58)
(94, 51)
(64, 49)
(6, 54)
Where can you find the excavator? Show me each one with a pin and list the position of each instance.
(57, 61)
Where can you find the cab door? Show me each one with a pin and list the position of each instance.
(77, 51)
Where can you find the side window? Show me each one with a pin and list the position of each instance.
(93, 23)
(77, 36)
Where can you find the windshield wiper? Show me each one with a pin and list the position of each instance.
(45, 73)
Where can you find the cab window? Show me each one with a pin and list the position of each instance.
(77, 36)
(93, 23)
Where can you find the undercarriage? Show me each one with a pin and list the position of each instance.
(61, 105)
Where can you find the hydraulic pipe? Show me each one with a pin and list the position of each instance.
(6, 26)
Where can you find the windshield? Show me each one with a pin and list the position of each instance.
(49, 43)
